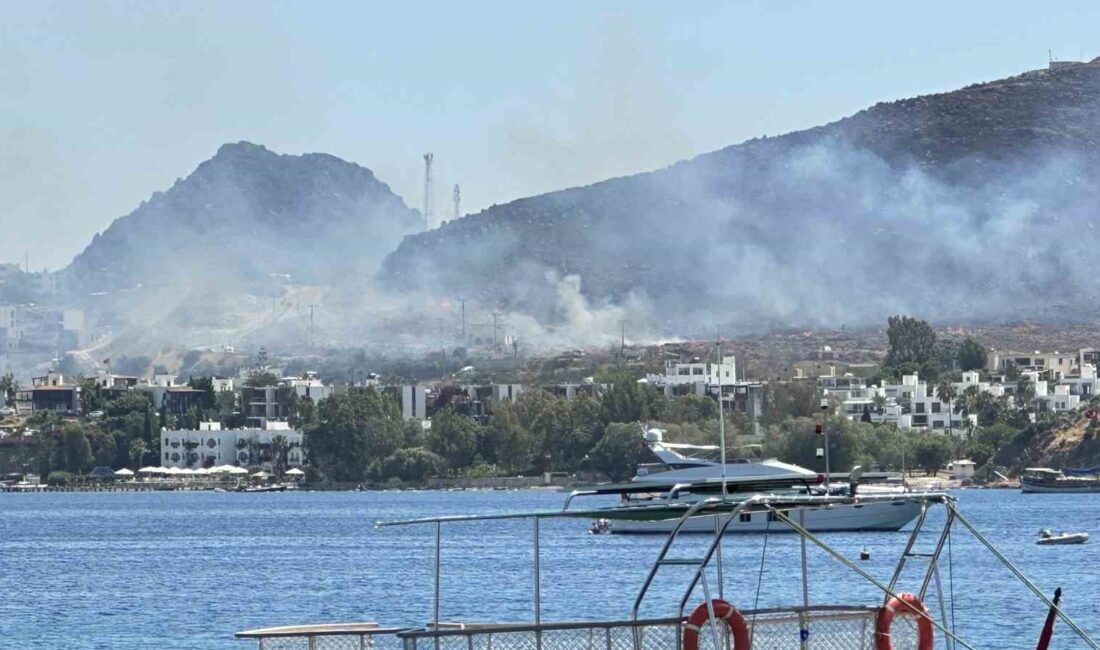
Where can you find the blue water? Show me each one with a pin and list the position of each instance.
(188, 569)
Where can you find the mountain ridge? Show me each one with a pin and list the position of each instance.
(974, 157)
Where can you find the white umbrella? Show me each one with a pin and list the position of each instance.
(150, 470)
(124, 472)
(294, 471)
(261, 474)
(201, 471)
(173, 471)
(238, 470)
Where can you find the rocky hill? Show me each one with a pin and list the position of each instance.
(977, 203)
(244, 216)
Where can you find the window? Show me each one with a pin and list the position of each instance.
(696, 371)
(919, 407)
(745, 517)
(935, 407)
(211, 443)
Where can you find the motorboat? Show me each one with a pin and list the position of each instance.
(1049, 538)
(280, 487)
(860, 514)
(687, 471)
(1042, 480)
(697, 606)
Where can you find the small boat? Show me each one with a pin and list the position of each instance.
(1046, 537)
(600, 527)
(263, 488)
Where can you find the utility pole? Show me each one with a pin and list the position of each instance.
(458, 200)
(429, 200)
(311, 339)
(496, 315)
(622, 339)
(463, 301)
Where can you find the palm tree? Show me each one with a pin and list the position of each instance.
(1025, 390)
(138, 449)
(8, 387)
(879, 400)
(946, 392)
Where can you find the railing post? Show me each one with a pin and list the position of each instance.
(538, 589)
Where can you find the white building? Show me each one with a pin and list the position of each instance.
(210, 445)
(308, 387)
(695, 376)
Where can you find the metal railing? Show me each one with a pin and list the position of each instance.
(817, 627)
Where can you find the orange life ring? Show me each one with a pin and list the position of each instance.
(722, 611)
(904, 605)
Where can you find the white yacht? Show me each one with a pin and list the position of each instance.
(688, 473)
(685, 463)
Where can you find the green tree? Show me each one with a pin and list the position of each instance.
(619, 451)
(76, 451)
(1025, 392)
(454, 438)
(280, 447)
(137, 452)
(510, 444)
(261, 379)
(910, 340)
(932, 452)
(412, 465)
(8, 388)
(971, 355)
(353, 430)
(626, 400)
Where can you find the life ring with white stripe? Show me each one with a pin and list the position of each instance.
(904, 605)
(723, 611)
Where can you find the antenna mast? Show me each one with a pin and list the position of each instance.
(458, 200)
(429, 200)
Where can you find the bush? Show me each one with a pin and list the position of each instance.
(59, 478)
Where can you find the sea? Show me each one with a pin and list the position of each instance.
(188, 569)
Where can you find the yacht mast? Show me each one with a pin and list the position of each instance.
(721, 420)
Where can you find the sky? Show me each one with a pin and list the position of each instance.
(104, 103)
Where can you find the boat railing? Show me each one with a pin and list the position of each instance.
(325, 636)
(833, 627)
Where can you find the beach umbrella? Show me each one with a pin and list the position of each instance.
(238, 470)
(150, 470)
(124, 472)
(173, 471)
(201, 471)
(261, 474)
(294, 471)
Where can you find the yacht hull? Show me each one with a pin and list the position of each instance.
(1039, 488)
(837, 518)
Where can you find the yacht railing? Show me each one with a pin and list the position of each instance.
(836, 627)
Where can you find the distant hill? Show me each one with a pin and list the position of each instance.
(977, 203)
(245, 215)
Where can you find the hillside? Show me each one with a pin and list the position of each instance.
(244, 215)
(1069, 441)
(972, 204)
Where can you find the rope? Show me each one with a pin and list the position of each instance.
(1030, 585)
(951, 576)
(848, 563)
(760, 573)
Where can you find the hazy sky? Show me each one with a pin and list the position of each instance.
(102, 104)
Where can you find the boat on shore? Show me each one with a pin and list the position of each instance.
(907, 610)
(1044, 480)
